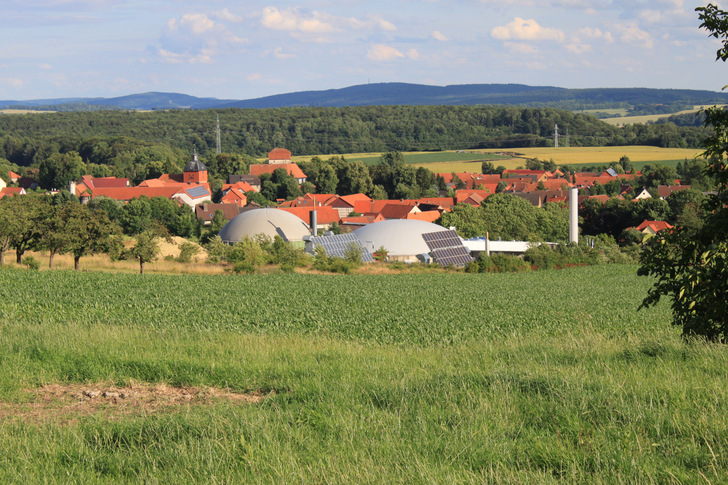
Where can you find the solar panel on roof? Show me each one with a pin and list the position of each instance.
(337, 246)
(198, 191)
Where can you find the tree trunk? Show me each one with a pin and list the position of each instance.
(50, 260)
(76, 262)
(19, 255)
(2, 256)
(141, 266)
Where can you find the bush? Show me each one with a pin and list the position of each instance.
(187, 251)
(31, 263)
(510, 264)
(543, 257)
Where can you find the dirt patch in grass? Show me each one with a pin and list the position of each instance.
(66, 403)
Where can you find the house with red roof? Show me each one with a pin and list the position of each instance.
(9, 191)
(355, 222)
(279, 156)
(652, 227)
(206, 211)
(13, 177)
(664, 191)
(292, 169)
(325, 215)
(235, 196)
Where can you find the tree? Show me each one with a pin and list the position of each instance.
(146, 245)
(691, 266)
(89, 232)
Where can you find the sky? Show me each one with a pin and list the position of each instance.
(254, 48)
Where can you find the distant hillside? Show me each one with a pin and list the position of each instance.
(658, 100)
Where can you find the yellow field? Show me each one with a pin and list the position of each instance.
(21, 111)
(572, 155)
(633, 120)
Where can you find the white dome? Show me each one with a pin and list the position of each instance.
(401, 237)
(270, 222)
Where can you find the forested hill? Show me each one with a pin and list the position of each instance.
(403, 94)
(26, 139)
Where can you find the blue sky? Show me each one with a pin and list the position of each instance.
(254, 48)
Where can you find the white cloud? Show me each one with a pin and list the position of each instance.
(195, 39)
(521, 29)
(291, 20)
(197, 23)
(381, 52)
(227, 16)
(439, 36)
(630, 33)
(413, 54)
(521, 48)
(296, 21)
(256, 76)
(45, 67)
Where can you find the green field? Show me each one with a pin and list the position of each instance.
(540, 377)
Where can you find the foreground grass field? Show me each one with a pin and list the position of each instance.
(548, 376)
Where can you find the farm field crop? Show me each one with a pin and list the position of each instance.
(574, 155)
(458, 378)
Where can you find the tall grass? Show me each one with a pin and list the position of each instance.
(543, 377)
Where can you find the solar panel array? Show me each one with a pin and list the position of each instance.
(447, 248)
(459, 256)
(338, 244)
(198, 191)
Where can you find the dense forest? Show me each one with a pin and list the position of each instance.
(26, 139)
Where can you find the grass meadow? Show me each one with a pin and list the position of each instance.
(542, 377)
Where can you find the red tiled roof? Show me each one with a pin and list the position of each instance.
(95, 182)
(235, 196)
(128, 193)
(279, 154)
(354, 198)
(324, 214)
(12, 175)
(243, 186)
(376, 206)
(665, 190)
(397, 211)
(361, 220)
(259, 169)
(462, 195)
(428, 216)
(207, 211)
(656, 226)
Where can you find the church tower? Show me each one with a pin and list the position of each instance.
(195, 171)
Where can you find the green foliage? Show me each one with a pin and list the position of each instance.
(247, 256)
(187, 251)
(691, 263)
(31, 263)
(381, 254)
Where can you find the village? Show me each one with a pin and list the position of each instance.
(315, 214)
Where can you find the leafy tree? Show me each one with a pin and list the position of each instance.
(23, 232)
(136, 216)
(146, 245)
(691, 267)
(51, 227)
(89, 232)
(56, 171)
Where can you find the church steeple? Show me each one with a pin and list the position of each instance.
(195, 171)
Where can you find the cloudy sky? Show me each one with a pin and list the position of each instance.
(253, 48)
